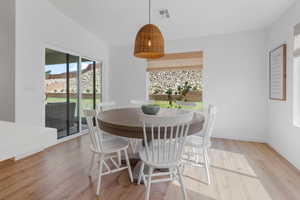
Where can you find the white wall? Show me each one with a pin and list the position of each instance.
(21, 140)
(283, 135)
(127, 76)
(7, 77)
(40, 25)
(234, 80)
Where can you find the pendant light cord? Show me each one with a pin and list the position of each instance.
(149, 11)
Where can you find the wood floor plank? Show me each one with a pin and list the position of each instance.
(239, 171)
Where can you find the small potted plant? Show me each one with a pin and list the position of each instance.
(169, 92)
(183, 91)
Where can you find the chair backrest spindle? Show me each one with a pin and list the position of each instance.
(94, 131)
(164, 136)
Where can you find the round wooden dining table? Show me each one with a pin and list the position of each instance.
(125, 122)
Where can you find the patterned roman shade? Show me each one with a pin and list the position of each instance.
(177, 61)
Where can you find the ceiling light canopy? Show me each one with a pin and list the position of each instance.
(149, 41)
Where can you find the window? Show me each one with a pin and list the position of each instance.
(176, 77)
(160, 81)
(65, 95)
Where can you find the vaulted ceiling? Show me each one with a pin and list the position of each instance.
(117, 21)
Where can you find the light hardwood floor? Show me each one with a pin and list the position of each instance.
(240, 170)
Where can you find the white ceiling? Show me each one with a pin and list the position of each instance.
(117, 21)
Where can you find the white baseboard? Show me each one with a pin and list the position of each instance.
(284, 156)
(29, 153)
(6, 157)
(71, 137)
(246, 139)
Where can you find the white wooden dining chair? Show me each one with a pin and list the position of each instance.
(197, 146)
(106, 150)
(164, 139)
(101, 107)
(104, 106)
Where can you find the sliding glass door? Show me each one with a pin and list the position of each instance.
(90, 86)
(56, 105)
(61, 93)
(73, 94)
(71, 85)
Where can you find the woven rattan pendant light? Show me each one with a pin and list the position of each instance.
(149, 42)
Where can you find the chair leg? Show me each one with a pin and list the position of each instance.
(100, 174)
(144, 179)
(206, 163)
(133, 145)
(147, 195)
(181, 183)
(141, 173)
(128, 165)
(182, 168)
(119, 158)
(208, 158)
